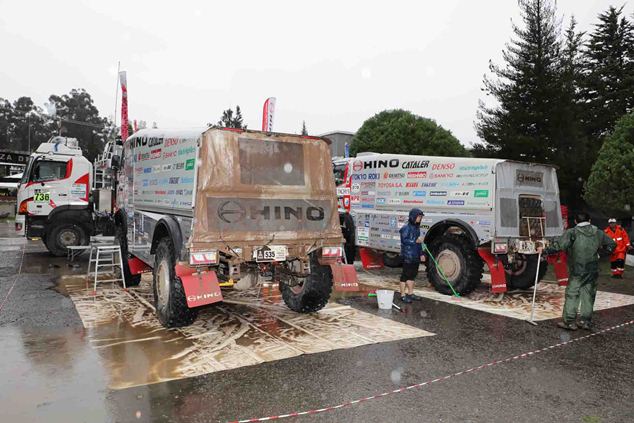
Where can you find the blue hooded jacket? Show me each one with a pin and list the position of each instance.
(410, 249)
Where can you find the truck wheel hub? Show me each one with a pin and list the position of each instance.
(449, 263)
(68, 238)
(163, 285)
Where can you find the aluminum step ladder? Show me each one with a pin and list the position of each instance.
(106, 255)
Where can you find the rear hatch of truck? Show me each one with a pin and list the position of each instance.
(527, 201)
(256, 189)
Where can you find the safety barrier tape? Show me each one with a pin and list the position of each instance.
(429, 382)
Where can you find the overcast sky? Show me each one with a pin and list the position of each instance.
(330, 63)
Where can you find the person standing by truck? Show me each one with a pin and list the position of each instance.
(618, 235)
(412, 253)
(582, 243)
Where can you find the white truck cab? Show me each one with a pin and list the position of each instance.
(54, 196)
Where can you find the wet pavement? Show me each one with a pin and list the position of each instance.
(58, 365)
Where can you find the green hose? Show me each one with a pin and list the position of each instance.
(442, 274)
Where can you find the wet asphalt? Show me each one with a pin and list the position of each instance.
(50, 372)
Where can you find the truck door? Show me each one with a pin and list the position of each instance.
(46, 185)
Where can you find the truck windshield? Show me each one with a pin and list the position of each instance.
(265, 162)
(339, 171)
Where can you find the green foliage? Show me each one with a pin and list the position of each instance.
(608, 86)
(610, 187)
(228, 120)
(402, 132)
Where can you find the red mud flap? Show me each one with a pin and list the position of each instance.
(137, 266)
(560, 263)
(201, 289)
(496, 268)
(344, 277)
(370, 259)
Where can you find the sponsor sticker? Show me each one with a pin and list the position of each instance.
(481, 193)
(189, 164)
(438, 193)
(455, 202)
(419, 193)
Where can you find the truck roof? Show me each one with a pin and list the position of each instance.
(370, 156)
(192, 132)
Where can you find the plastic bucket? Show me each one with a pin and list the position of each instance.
(384, 298)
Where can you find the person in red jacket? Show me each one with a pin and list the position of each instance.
(618, 235)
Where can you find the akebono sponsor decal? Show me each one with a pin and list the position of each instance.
(455, 202)
(416, 175)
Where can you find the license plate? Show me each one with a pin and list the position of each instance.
(41, 197)
(270, 253)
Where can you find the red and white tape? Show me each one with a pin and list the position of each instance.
(429, 382)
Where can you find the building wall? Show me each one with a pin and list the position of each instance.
(338, 142)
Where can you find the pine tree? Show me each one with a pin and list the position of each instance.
(608, 86)
(520, 125)
(237, 121)
(304, 130)
(228, 120)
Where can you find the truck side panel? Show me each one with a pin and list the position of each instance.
(385, 187)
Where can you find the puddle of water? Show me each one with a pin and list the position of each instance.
(42, 373)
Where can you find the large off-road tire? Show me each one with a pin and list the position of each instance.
(65, 233)
(121, 236)
(460, 263)
(392, 259)
(312, 293)
(522, 273)
(348, 232)
(169, 295)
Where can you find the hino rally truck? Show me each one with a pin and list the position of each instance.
(476, 211)
(212, 206)
(56, 201)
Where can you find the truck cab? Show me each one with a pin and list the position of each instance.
(53, 196)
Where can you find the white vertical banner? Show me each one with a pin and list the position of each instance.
(267, 114)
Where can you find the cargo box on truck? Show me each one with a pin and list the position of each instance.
(204, 207)
(476, 211)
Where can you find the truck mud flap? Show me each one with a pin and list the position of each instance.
(560, 263)
(344, 277)
(496, 268)
(201, 288)
(370, 259)
(137, 266)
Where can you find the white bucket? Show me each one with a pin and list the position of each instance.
(385, 298)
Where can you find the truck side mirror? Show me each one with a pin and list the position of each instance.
(115, 161)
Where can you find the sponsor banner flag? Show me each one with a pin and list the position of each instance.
(124, 105)
(267, 114)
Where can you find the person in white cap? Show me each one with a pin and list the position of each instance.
(618, 235)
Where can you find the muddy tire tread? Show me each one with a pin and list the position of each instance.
(474, 266)
(316, 292)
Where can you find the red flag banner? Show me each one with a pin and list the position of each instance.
(124, 105)
(267, 114)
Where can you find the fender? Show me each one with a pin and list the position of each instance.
(440, 227)
(170, 227)
(82, 212)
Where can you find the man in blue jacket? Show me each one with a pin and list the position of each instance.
(412, 253)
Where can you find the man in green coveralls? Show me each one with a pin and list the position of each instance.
(582, 243)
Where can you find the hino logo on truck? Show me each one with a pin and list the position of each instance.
(233, 212)
(376, 164)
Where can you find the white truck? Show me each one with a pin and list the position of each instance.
(476, 211)
(54, 196)
(211, 206)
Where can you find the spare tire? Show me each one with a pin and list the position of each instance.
(521, 274)
(459, 261)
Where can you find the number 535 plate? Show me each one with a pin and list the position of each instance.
(270, 253)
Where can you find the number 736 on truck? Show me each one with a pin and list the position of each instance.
(477, 211)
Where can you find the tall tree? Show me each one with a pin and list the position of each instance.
(304, 130)
(29, 126)
(80, 119)
(6, 119)
(608, 86)
(519, 125)
(402, 132)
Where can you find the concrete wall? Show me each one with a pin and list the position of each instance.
(338, 142)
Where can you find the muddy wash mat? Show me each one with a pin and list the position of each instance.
(243, 331)
(549, 301)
